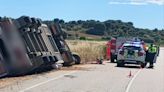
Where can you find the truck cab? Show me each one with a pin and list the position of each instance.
(59, 37)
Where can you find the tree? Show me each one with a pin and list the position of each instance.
(130, 23)
(80, 22)
(61, 21)
(114, 28)
(73, 22)
(82, 38)
(56, 20)
(155, 30)
(100, 26)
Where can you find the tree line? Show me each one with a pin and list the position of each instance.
(112, 28)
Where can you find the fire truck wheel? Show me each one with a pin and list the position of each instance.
(112, 58)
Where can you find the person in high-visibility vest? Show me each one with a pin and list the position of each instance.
(158, 49)
(151, 55)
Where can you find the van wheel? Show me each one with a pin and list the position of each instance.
(120, 64)
(143, 65)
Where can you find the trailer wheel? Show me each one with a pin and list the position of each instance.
(39, 22)
(77, 59)
(27, 19)
(34, 21)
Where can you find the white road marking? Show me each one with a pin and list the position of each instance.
(36, 85)
(132, 80)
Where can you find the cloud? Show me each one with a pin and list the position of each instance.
(159, 2)
(127, 3)
(137, 2)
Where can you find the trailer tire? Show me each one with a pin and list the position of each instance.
(39, 22)
(27, 19)
(34, 21)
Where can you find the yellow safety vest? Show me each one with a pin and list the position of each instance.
(152, 49)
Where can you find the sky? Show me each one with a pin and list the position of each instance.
(143, 13)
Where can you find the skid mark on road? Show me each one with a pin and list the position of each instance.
(132, 80)
(42, 83)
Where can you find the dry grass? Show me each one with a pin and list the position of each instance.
(89, 51)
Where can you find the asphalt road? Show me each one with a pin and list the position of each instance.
(96, 78)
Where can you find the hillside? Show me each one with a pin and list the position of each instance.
(92, 29)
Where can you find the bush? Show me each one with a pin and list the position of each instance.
(82, 38)
(95, 32)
